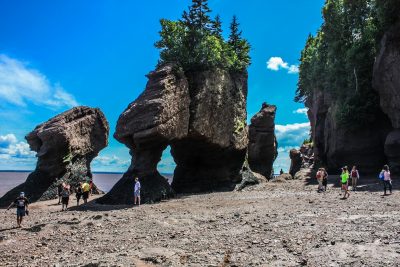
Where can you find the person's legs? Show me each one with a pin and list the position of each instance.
(139, 199)
(18, 221)
(384, 188)
(390, 186)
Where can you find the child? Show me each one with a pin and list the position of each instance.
(136, 192)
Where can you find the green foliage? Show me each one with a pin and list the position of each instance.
(239, 126)
(340, 58)
(196, 42)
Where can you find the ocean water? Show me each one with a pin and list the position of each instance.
(105, 181)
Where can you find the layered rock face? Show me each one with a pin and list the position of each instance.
(146, 127)
(201, 115)
(262, 149)
(387, 83)
(65, 143)
(335, 147)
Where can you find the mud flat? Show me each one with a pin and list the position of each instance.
(275, 224)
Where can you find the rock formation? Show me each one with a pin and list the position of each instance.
(262, 147)
(302, 161)
(336, 146)
(295, 161)
(387, 83)
(65, 146)
(201, 115)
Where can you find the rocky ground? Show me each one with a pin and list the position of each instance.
(275, 224)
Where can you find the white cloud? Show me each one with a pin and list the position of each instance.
(20, 84)
(277, 63)
(293, 69)
(6, 140)
(289, 136)
(301, 111)
(11, 148)
(112, 160)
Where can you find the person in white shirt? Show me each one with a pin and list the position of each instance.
(136, 192)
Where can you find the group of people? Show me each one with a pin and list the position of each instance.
(82, 190)
(322, 178)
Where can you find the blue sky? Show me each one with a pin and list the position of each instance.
(58, 54)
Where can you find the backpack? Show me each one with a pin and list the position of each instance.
(381, 176)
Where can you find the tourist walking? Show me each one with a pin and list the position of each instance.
(85, 192)
(344, 178)
(136, 192)
(59, 191)
(22, 204)
(324, 179)
(387, 180)
(65, 197)
(319, 177)
(78, 193)
(354, 178)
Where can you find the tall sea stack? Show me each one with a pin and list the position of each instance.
(201, 116)
(65, 146)
(262, 141)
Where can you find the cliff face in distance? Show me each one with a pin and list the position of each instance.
(349, 80)
(65, 146)
(201, 116)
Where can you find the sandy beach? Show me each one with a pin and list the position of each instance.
(274, 224)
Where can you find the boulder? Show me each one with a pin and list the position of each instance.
(262, 148)
(65, 146)
(201, 116)
(249, 178)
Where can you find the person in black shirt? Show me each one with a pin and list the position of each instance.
(22, 207)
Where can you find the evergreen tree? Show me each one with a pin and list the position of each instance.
(216, 27)
(235, 35)
(239, 47)
(196, 42)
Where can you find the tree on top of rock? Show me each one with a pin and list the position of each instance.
(216, 27)
(196, 42)
(239, 46)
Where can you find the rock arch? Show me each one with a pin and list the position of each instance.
(201, 115)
